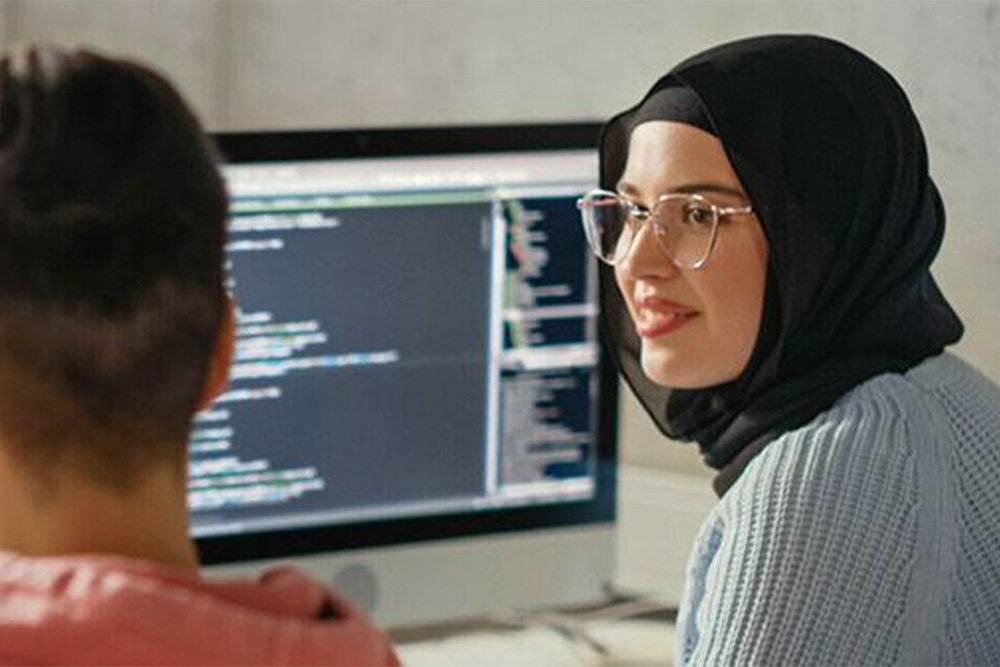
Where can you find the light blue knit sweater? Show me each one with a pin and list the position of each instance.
(870, 535)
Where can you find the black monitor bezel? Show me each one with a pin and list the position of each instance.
(237, 147)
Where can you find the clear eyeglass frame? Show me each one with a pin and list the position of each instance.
(636, 215)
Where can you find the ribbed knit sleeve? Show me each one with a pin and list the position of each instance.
(869, 536)
(809, 559)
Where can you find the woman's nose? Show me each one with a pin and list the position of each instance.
(646, 256)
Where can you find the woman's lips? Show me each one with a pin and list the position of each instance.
(657, 317)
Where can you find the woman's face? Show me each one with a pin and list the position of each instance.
(698, 326)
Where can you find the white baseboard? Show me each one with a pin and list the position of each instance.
(659, 515)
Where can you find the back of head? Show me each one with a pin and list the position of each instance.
(112, 225)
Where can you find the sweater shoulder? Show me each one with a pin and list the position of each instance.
(810, 538)
(829, 546)
(891, 435)
(869, 434)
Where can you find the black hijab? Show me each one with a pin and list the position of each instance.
(827, 147)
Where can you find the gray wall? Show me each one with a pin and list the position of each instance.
(315, 64)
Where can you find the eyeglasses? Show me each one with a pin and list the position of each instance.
(686, 225)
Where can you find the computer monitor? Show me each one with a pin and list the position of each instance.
(419, 411)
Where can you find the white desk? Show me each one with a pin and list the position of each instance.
(635, 642)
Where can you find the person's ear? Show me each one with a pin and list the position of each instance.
(218, 370)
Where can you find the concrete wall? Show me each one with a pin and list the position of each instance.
(315, 64)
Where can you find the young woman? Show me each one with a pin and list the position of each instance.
(767, 223)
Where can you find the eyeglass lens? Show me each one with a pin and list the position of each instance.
(684, 224)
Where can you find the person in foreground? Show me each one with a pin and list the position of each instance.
(767, 223)
(115, 328)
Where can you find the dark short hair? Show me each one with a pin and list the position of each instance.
(112, 229)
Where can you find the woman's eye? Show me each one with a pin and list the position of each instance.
(697, 216)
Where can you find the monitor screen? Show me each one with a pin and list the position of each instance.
(417, 351)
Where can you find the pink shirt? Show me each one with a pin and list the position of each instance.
(87, 610)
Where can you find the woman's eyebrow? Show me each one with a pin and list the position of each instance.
(688, 188)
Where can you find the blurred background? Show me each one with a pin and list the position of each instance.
(295, 64)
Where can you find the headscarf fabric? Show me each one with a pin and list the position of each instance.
(834, 162)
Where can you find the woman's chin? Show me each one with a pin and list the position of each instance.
(669, 369)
